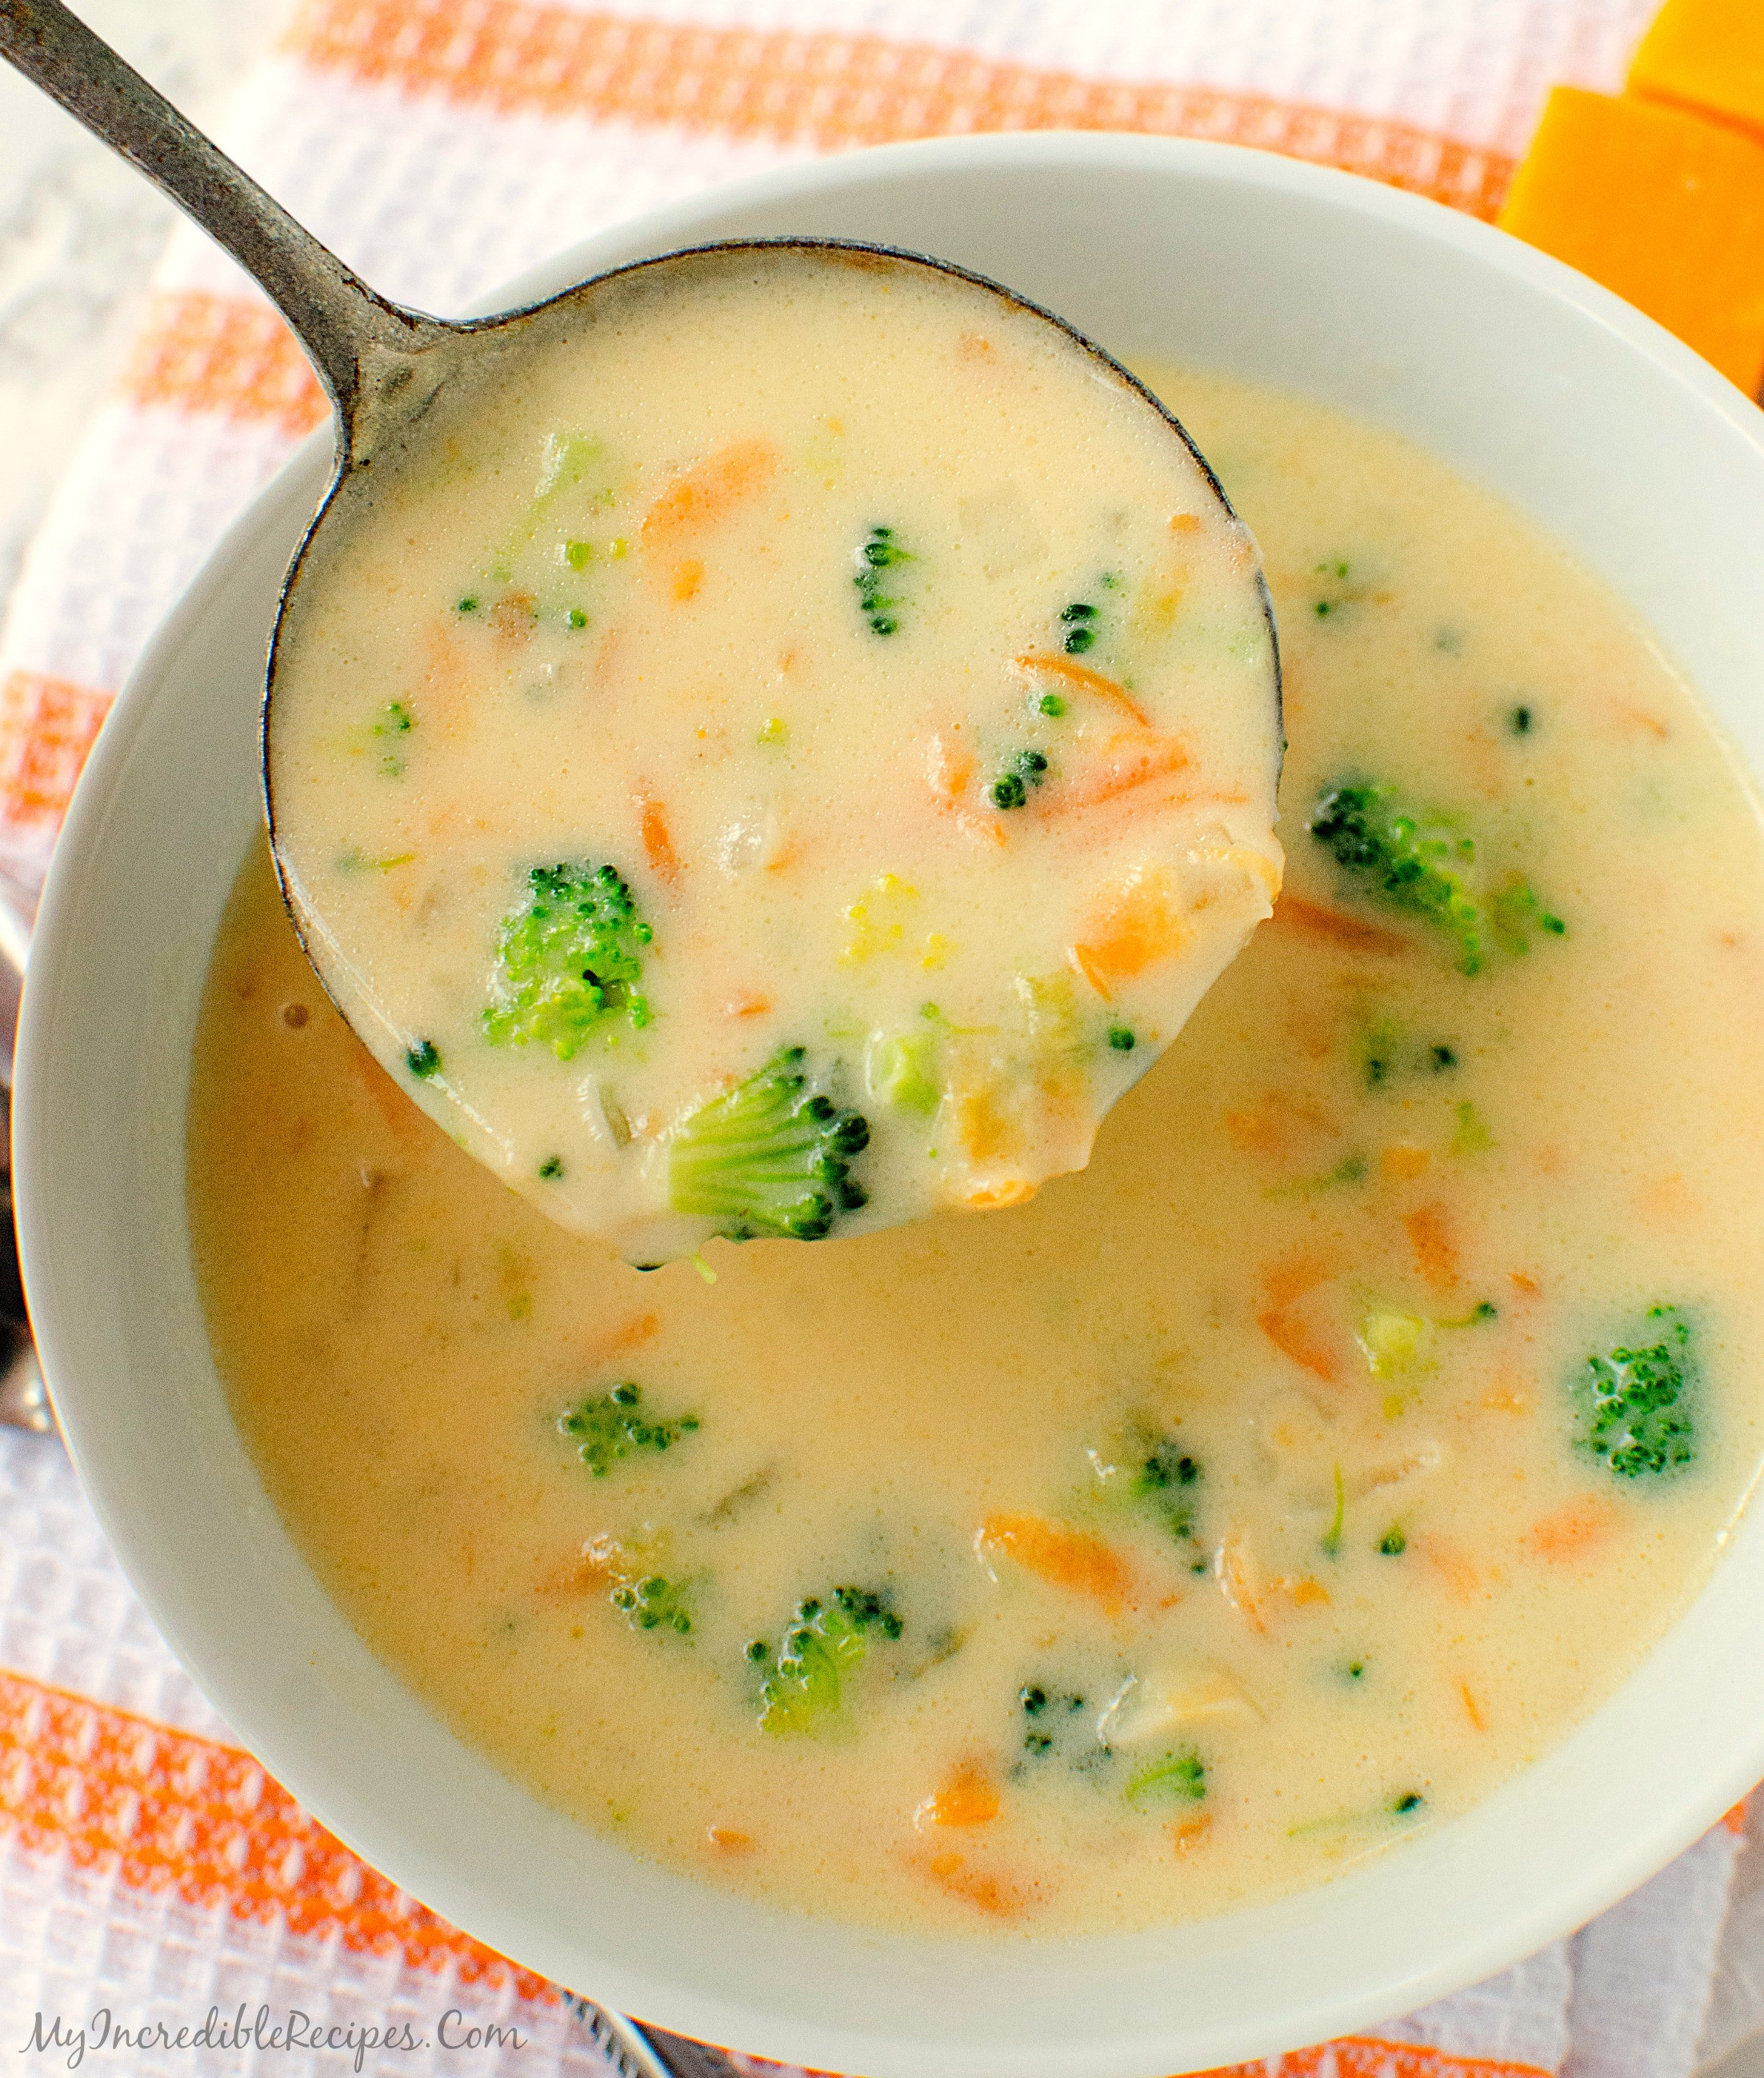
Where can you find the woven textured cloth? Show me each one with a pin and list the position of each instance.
(149, 1870)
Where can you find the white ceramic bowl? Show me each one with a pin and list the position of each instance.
(1619, 441)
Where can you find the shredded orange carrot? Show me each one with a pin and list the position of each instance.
(1293, 1337)
(949, 768)
(705, 494)
(1070, 1558)
(1235, 1571)
(639, 1330)
(1305, 1593)
(1573, 1530)
(1453, 1566)
(569, 1576)
(1402, 1161)
(602, 1558)
(388, 1099)
(1734, 1818)
(1142, 923)
(1133, 759)
(1270, 1129)
(1049, 664)
(1349, 931)
(1436, 1252)
(986, 1893)
(747, 1006)
(1258, 1131)
(1000, 1197)
(446, 694)
(1185, 523)
(1527, 1287)
(1186, 1834)
(986, 1130)
(1473, 1709)
(687, 577)
(1284, 1286)
(1288, 1281)
(729, 1839)
(969, 1797)
(657, 844)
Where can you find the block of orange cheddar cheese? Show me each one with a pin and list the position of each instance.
(1663, 206)
(1708, 54)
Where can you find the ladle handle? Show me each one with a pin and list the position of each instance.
(362, 345)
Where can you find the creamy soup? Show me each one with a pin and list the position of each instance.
(789, 755)
(1246, 1504)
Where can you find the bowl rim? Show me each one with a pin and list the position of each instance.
(1538, 1915)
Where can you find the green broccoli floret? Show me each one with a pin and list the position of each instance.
(1163, 1485)
(1011, 790)
(1387, 1053)
(1078, 627)
(568, 961)
(880, 551)
(1049, 1717)
(612, 1427)
(653, 1604)
(1427, 867)
(827, 1642)
(1178, 1777)
(1145, 1469)
(396, 720)
(1633, 1400)
(769, 1157)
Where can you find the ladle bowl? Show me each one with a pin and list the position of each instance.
(395, 375)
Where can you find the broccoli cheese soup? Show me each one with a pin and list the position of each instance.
(785, 756)
(1248, 1503)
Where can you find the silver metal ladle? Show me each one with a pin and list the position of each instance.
(385, 368)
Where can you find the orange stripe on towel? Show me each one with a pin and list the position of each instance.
(1352, 2056)
(832, 91)
(169, 1812)
(47, 727)
(230, 355)
(225, 354)
(1366, 2057)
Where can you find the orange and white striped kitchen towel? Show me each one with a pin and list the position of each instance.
(152, 1878)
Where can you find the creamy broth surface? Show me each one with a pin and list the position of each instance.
(814, 680)
(1238, 1508)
